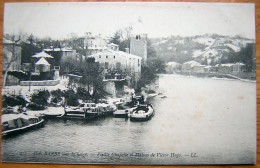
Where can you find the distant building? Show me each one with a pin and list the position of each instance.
(189, 66)
(63, 53)
(138, 46)
(198, 68)
(94, 44)
(172, 67)
(42, 65)
(10, 48)
(231, 68)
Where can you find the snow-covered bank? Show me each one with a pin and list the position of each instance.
(24, 90)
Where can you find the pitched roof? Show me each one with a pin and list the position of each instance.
(42, 55)
(42, 61)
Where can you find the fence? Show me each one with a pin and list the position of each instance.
(40, 83)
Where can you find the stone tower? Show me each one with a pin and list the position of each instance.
(138, 46)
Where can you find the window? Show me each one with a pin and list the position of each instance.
(99, 56)
(138, 37)
(106, 56)
(138, 62)
(114, 57)
(106, 65)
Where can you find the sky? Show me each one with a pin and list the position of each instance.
(59, 20)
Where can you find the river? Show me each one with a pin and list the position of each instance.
(201, 121)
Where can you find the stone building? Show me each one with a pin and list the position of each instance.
(138, 46)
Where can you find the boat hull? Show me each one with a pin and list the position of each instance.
(143, 118)
(17, 131)
(81, 114)
(52, 116)
(123, 115)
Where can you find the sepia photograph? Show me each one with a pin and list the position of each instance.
(129, 83)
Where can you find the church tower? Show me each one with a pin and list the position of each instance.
(138, 46)
(138, 42)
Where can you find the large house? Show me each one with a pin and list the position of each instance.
(113, 59)
(94, 44)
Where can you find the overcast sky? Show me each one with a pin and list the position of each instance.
(58, 20)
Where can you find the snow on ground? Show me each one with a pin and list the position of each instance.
(48, 111)
(205, 40)
(24, 90)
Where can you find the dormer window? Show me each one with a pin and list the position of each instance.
(138, 37)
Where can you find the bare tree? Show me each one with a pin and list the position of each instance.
(10, 55)
(128, 32)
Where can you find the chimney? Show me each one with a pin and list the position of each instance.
(127, 50)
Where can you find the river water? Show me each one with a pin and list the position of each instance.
(202, 121)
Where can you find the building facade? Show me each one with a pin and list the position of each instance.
(113, 59)
(94, 44)
(11, 60)
(138, 46)
(11, 51)
(63, 53)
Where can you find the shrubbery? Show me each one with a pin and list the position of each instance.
(13, 100)
(39, 100)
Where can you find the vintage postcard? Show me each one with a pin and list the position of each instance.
(129, 83)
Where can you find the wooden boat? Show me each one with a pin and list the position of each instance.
(143, 112)
(74, 112)
(123, 111)
(88, 110)
(17, 123)
(53, 113)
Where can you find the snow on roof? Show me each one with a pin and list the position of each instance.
(205, 40)
(208, 67)
(59, 49)
(232, 64)
(74, 75)
(173, 64)
(5, 41)
(112, 44)
(233, 47)
(226, 65)
(112, 52)
(192, 63)
(42, 61)
(240, 63)
(42, 55)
